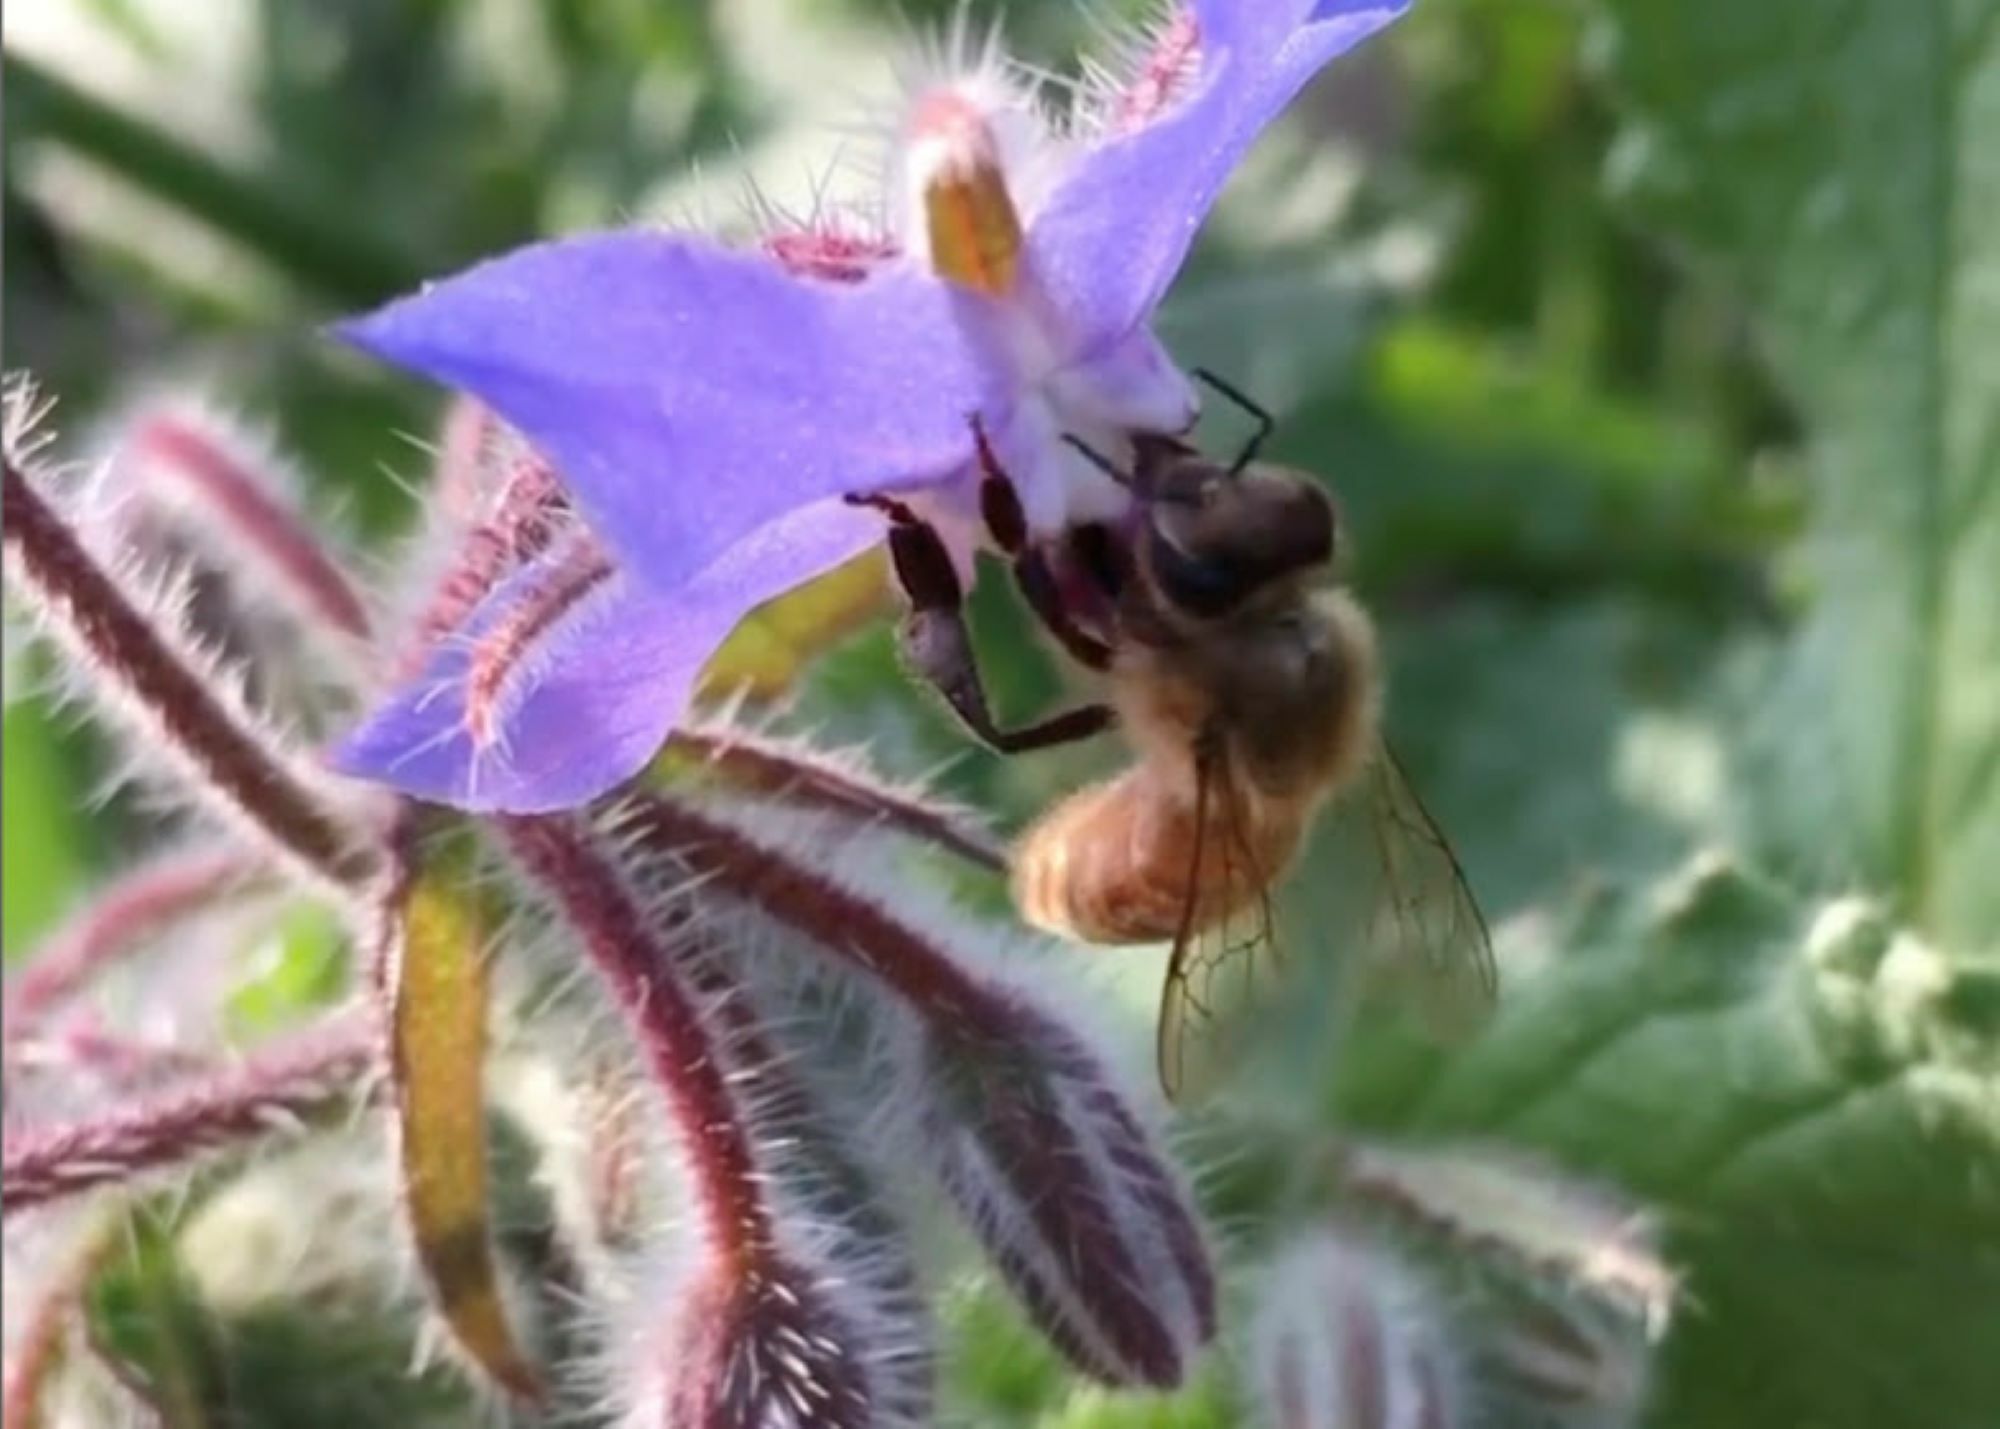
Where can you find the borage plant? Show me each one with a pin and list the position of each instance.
(717, 1014)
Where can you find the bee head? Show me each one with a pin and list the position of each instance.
(1214, 540)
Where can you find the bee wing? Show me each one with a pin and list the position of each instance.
(1215, 967)
(1424, 927)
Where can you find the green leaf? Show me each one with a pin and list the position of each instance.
(317, 243)
(1810, 1097)
(1838, 157)
(44, 847)
(1281, 332)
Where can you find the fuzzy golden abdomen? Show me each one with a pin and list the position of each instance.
(1112, 864)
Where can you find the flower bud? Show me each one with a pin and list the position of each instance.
(1523, 1217)
(1346, 1337)
(1070, 1198)
(773, 1309)
(1568, 1359)
(776, 1347)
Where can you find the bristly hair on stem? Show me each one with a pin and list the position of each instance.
(150, 680)
(1023, 1124)
(801, 775)
(271, 1091)
(132, 910)
(183, 456)
(762, 1327)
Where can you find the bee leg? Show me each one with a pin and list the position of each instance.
(1007, 524)
(1037, 584)
(934, 640)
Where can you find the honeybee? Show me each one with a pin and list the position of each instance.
(1248, 684)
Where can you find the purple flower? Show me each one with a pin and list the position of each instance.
(699, 401)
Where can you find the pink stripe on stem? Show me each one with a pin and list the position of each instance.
(265, 1093)
(796, 774)
(636, 958)
(581, 569)
(522, 525)
(133, 909)
(123, 1062)
(1161, 76)
(803, 899)
(270, 534)
(149, 679)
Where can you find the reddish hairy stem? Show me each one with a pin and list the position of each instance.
(134, 908)
(840, 921)
(46, 1164)
(1057, 1185)
(640, 968)
(828, 253)
(520, 528)
(583, 568)
(231, 494)
(1166, 70)
(121, 1061)
(771, 768)
(75, 592)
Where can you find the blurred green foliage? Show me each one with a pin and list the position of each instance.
(1653, 347)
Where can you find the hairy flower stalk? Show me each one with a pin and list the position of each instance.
(165, 698)
(805, 898)
(181, 458)
(1502, 1206)
(131, 911)
(802, 776)
(1567, 1359)
(761, 1335)
(1026, 1129)
(559, 590)
(1574, 1291)
(463, 455)
(268, 1093)
(84, 1057)
(520, 518)
(1347, 1337)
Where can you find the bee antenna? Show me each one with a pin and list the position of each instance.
(1098, 459)
(1265, 421)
